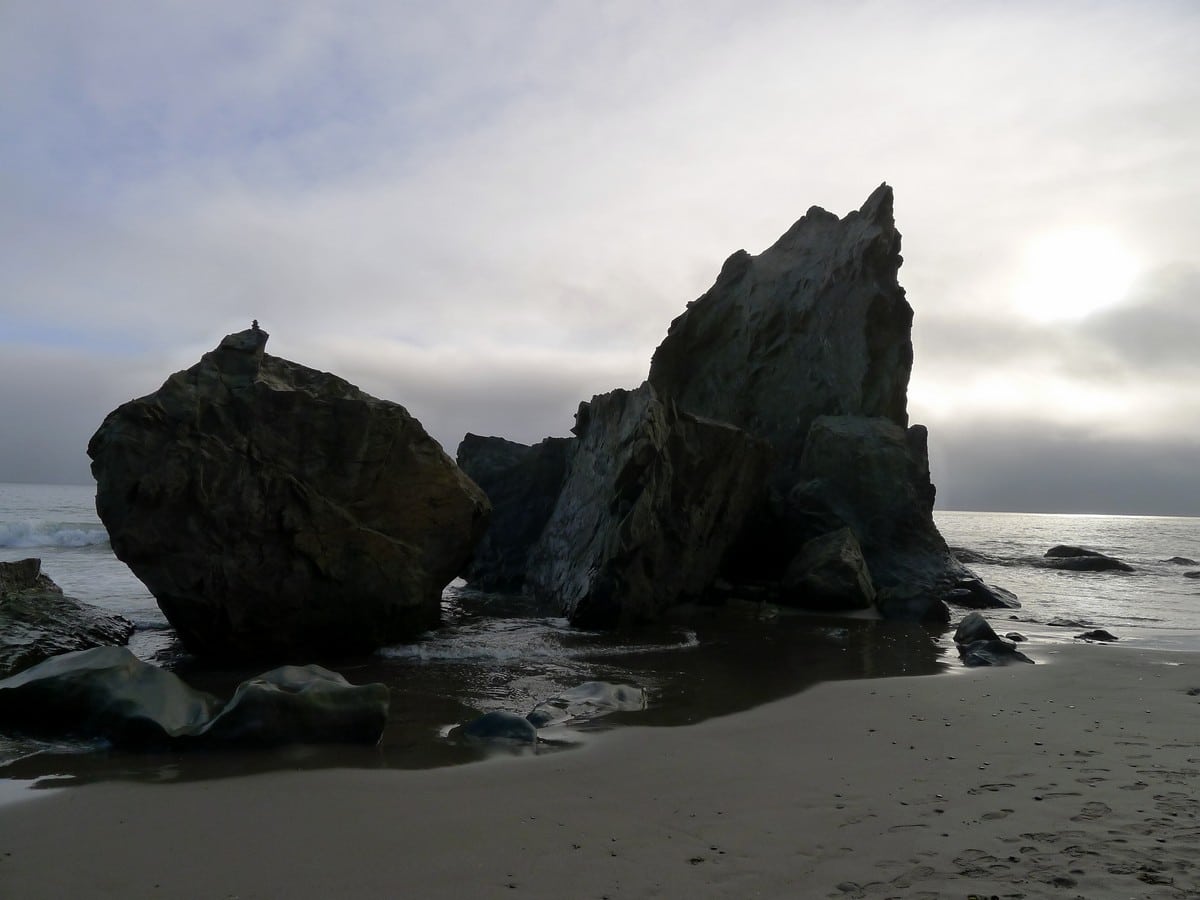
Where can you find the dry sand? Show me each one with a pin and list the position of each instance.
(1073, 778)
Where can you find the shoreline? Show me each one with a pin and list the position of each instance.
(1071, 778)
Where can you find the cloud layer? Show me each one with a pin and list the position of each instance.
(491, 212)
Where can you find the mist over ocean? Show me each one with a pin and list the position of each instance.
(502, 652)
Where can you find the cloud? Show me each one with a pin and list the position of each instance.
(490, 213)
(1033, 467)
(1158, 330)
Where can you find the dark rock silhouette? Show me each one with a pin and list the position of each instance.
(523, 484)
(1097, 634)
(108, 693)
(979, 645)
(643, 519)
(1077, 559)
(274, 510)
(807, 349)
(38, 621)
(816, 325)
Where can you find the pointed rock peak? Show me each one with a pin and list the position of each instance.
(878, 208)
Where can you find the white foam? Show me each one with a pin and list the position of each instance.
(29, 534)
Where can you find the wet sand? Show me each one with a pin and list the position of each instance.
(1077, 777)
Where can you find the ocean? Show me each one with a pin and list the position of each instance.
(503, 652)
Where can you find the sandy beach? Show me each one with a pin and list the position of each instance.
(1074, 778)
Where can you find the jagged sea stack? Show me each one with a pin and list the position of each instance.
(815, 325)
(801, 357)
(275, 511)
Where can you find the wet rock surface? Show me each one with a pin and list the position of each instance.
(107, 693)
(37, 621)
(274, 510)
(979, 645)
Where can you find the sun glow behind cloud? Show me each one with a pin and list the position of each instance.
(1070, 274)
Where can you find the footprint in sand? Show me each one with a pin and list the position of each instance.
(1091, 780)
(1136, 786)
(1093, 810)
(998, 814)
(988, 787)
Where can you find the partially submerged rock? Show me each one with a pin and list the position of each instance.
(108, 693)
(498, 725)
(1077, 559)
(588, 701)
(37, 621)
(979, 645)
(272, 509)
(1097, 634)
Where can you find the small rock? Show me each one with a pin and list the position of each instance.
(1096, 634)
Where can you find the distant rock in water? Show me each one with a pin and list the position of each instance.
(38, 621)
(1181, 561)
(805, 349)
(272, 509)
(1077, 559)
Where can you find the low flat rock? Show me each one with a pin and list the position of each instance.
(37, 621)
(110, 694)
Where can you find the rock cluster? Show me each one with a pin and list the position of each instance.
(38, 621)
(275, 510)
(768, 451)
(108, 693)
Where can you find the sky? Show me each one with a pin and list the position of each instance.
(490, 211)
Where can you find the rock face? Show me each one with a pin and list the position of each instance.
(523, 484)
(108, 693)
(272, 509)
(807, 349)
(816, 325)
(642, 521)
(38, 621)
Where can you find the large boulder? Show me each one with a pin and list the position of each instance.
(643, 519)
(110, 694)
(523, 484)
(38, 621)
(273, 509)
(815, 325)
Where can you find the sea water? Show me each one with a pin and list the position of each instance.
(507, 652)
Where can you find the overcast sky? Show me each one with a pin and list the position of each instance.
(489, 211)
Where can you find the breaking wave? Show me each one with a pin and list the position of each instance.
(51, 534)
